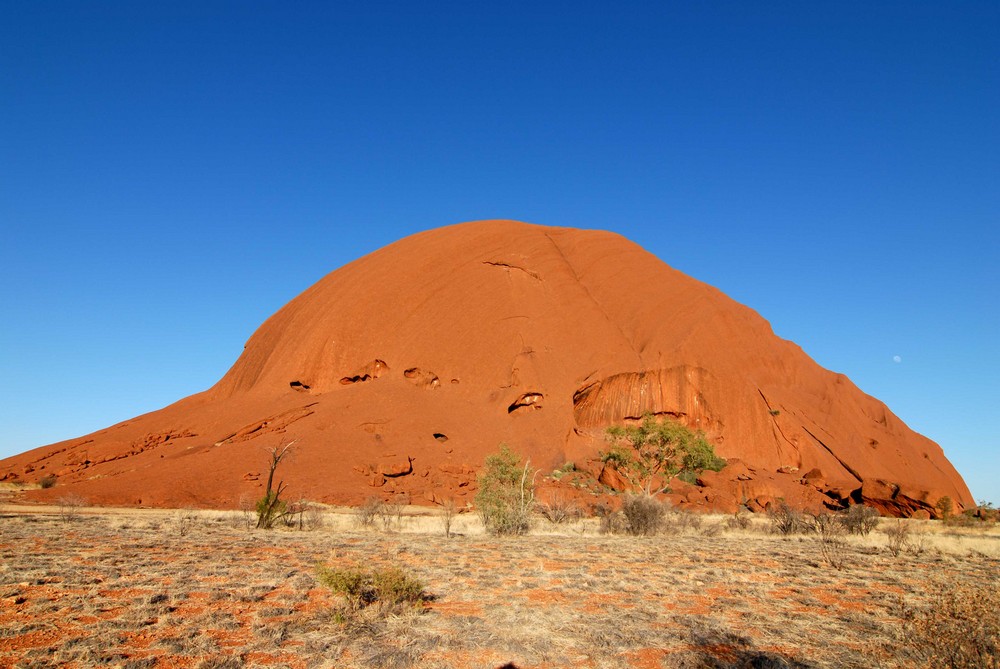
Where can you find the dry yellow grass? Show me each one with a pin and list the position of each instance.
(198, 589)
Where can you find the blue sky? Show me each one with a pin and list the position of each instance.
(173, 173)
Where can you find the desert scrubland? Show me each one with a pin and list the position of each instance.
(86, 587)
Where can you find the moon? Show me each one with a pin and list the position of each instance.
(896, 358)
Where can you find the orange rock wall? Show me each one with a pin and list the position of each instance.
(400, 371)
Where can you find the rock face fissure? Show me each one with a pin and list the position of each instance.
(596, 304)
(268, 425)
(581, 322)
(777, 425)
(507, 266)
(850, 470)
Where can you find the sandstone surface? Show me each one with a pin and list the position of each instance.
(397, 374)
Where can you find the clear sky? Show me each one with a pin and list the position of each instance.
(173, 173)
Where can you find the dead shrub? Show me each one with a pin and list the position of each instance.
(959, 627)
(47, 481)
(859, 519)
(830, 533)
(558, 509)
(184, 521)
(388, 514)
(785, 520)
(303, 515)
(739, 521)
(448, 511)
(368, 513)
(898, 537)
(713, 530)
(610, 520)
(220, 662)
(644, 515)
(69, 506)
(314, 516)
(392, 518)
(245, 517)
(682, 519)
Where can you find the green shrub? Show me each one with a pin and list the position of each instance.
(389, 588)
(699, 455)
(945, 507)
(506, 494)
(688, 476)
(269, 510)
(648, 455)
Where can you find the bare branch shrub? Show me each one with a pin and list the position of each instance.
(683, 519)
(392, 512)
(448, 511)
(898, 536)
(739, 521)
(830, 532)
(314, 516)
(713, 530)
(69, 506)
(185, 521)
(370, 512)
(859, 519)
(785, 520)
(611, 521)
(245, 517)
(559, 509)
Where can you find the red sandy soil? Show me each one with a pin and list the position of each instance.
(398, 373)
(150, 591)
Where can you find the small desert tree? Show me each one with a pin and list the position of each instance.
(506, 493)
(648, 455)
(270, 507)
(945, 507)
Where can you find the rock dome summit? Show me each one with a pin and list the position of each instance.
(399, 372)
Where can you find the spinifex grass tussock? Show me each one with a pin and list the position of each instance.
(387, 588)
(130, 590)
